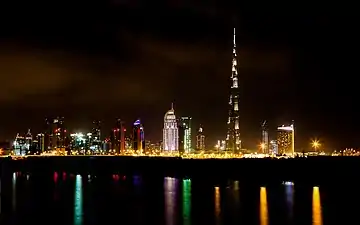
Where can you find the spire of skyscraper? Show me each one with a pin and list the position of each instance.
(233, 142)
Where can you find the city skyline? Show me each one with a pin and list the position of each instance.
(116, 68)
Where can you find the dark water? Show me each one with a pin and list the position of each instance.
(83, 200)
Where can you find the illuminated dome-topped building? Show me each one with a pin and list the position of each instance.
(170, 131)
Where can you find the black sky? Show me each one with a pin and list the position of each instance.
(130, 60)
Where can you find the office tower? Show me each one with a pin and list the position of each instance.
(200, 140)
(58, 138)
(273, 147)
(78, 142)
(286, 139)
(233, 142)
(170, 132)
(89, 143)
(96, 136)
(184, 130)
(35, 147)
(28, 140)
(264, 138)
(181, 139)
(117, 137)
(48, 133)
(138, 137)
(41, 142)
(19, 145)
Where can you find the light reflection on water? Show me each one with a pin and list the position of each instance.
(289, 191)
(170, 193)
(264, 216)
(181, 205)
(186, 201)
(217, 206)
(14, 178)
(78, 201)
(0, 196)
(316, 207)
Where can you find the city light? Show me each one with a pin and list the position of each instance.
(315, 144)
(176, 141)
(262, 146)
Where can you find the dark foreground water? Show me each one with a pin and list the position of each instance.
(82, 199)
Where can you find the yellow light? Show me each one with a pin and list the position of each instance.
(315, 144)
(262, 146)
(316, 207)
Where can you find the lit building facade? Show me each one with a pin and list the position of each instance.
(117, 137)
(95, 141)
(78, 142)
(41, 142)
(273, 147)
(185, 134)
(138, 137)
(233, 141)
(286, 139)
(170, 132)
(58, 136)
(200, 140)
(20, 146)
(264, 139)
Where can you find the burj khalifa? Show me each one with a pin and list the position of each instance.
(233, 142)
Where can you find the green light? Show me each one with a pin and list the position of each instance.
(78, 202)
(186, 201)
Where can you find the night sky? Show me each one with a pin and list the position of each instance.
(129, 60)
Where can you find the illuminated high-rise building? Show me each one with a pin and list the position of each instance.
(286, 139)
(48, 133)
(28, 140)
(200, 140)
(58, 138)
(95, 142)
(264, 138)
(78, 142)
(184, 130)
(273, 147)
(117, 137)
(170, 132)
(41, 142)
(233, 142)
(138, 137)
(19, 145)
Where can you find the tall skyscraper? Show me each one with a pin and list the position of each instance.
(286, 139)
(138, 137)
(184, 126)
(29, 140)
(233, 142)
(273, 147)
(41, 142)
(200, 140)
(58, 138)
(117, 137)
(264, 138)
(170, 132)
(19, 145)
(96, 136)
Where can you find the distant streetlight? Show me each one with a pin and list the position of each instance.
(315, 144)
(262, 146)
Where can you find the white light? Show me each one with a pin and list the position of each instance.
(79, 134)
(289, 128)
